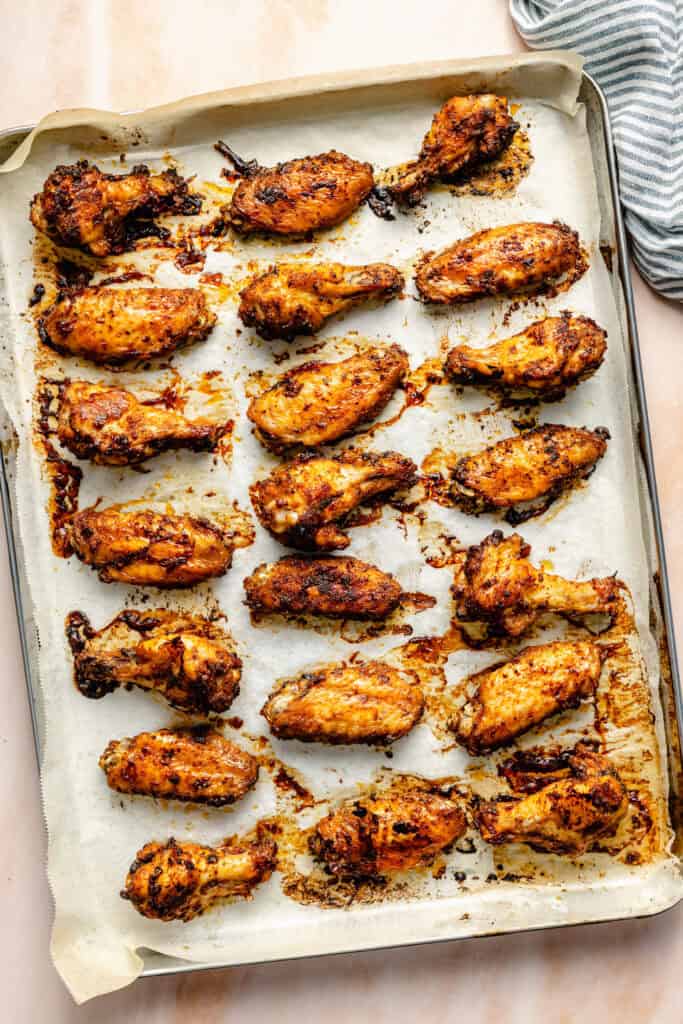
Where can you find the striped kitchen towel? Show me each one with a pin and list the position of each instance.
(634, 50)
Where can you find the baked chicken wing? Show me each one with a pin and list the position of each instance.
(319, 403)
(501, 261)
(196, 764)
(392, 830)
(84, 208)
(189, 660)
(149, 548)
(298, 298)
(545, 359)
(304, 503)
(497, 584)
(176, 881)
(512, 696)
(539, 464)
(354, 702)
(465, 132)
(583, 799)
(298, 196)
(112, 326)
(111, 427)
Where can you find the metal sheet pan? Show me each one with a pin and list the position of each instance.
(613, 237)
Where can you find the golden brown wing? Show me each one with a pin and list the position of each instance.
(545, 359)
(500, 261)
(110, 426)
(189, 660)
(301, 195)
(508, 698)
(196, 764)
(84, 208)
(149, 548)
(355, 702)
(298, 298)
(304, 502)
(318, 403)
(114, 325)
(393, 830)
(175, 881)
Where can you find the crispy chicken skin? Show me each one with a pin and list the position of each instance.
(304, 502)
(319, 403)
(465, 132)
(498, 585)
(300, 195)
(111, 427)
(195, 764)
(512, 696)
(391, 830)
(189, 660)
(83, 208)
(545, 359)
(177, 881)
(499, 261)
(291, 299)
(340, 588)
(355, 702)
(540, 463)
(149, 548)
(584, 800)
(112, 326)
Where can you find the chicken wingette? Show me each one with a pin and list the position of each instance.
(354, 702)
(319, 403)
(508, 260)
(112, 326)
(149, 548)
(177, 881)
(512, 696)
(465, 132)
(539, 464)
(304, 503)
(298, 196)
(188, 660)
(583, 800)
(195, 764)
(112, 427)
(395, 829)
(291, 299)
(84, 208)
(544, 360)
(497, 584)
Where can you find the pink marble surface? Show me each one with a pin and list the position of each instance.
(124, 55)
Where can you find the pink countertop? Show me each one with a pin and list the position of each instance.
(126, 55)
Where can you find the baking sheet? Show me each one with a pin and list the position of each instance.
(94, 834)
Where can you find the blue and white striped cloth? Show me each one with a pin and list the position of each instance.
(634, 50)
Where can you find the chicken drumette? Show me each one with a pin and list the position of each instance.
(195, 764)
(176, 881)
(525, 257)
(465, 132)
(574, 798)
(318, 403)
(545, 359)
(115, 325)
(298, 298)
(304, 503)
(354, 702)
(189, 660)
(84, 208)
(495, 583)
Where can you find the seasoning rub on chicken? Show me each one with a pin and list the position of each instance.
(291, 299)
(189, 660)
(319, 403)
